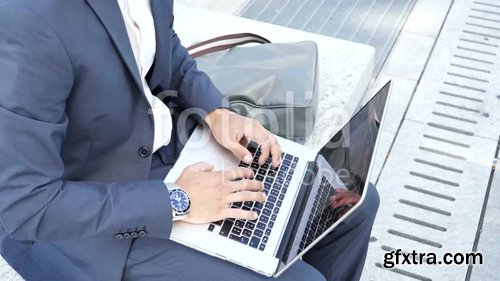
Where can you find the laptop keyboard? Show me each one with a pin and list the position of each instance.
(276, 182)
(321, 217)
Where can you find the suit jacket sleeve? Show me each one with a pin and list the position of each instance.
(195, 89)
(35, 202)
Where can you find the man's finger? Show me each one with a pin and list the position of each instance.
(265, 149)
(237, 174)
(276, 153)
(243, 185)
(239, 214)
(241, 152)
(201, 167)
(244, 196)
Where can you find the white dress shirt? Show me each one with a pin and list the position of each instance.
(141, 32)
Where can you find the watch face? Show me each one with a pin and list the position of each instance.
(180, 201)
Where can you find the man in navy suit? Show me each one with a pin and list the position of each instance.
(86, 140)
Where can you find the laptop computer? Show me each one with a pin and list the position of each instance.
(297, 213)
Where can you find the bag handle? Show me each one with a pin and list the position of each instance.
(224, 42)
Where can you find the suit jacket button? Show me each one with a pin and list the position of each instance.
(134, 234)
(126, 235)
(118, 236)
(144, 151)
(143, 233)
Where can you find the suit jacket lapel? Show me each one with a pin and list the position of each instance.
(110, 15)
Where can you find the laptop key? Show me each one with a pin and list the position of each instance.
(254, 242)
(239, 223)
(241, 239)
(274, 192)
(262, 172)
(288, 157)
(236, 231)
(261, 226)
(281, 196)
(276, 210)
(274, 217)
(250, 225)
(270, 224)
(219, 223)
(254, 165)
(260, 178)
(295, 160)
(264, 219)
(289, 177)
(226, 227)
(271, 199)
(258, 205)
(266, 212)
(264, 240)
(247, 233)
(269, 205)
(248, 204)
(279, 203)
(269, 180)
(268, 232)
(211, 227)
(258, 233)
(262, 247)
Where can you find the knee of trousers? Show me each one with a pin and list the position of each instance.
(372, 202)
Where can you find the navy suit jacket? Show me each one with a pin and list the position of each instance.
(76, 135)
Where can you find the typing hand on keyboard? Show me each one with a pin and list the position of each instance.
(229, 129)
(256, 232)
(213, 192)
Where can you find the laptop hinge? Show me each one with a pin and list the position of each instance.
(297, 211)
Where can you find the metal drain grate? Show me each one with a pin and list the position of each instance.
(372, 22)
(434, 183)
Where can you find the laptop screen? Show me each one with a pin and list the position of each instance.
(350, 151)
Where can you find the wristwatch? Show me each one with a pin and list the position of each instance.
(181, 203)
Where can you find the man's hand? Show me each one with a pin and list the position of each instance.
(229, 128)
(344, 197)
(211, 193)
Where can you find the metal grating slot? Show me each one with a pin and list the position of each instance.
(460, 96)
(434, 179)
(424, 207)
(451, 129)
(440, 166)
(442, 153)
(404, 272)
(473, 59)
(414, 238)
(419, 222)
(464, 87)
(437, 172)
(431, 193)
(454, 117)
(457, 107)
